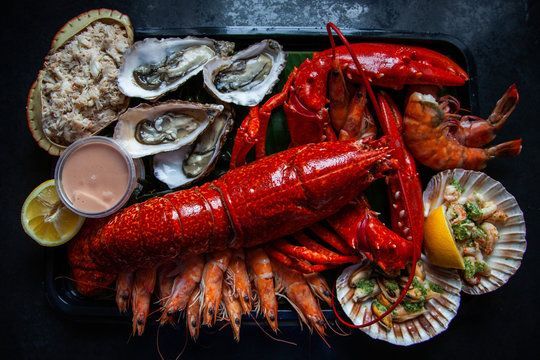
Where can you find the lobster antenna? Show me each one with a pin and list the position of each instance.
(329, 27)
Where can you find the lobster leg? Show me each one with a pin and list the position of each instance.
(299, 265)
(253, 130)
(332, 239)
(315, 256)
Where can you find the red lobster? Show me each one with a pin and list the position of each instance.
(287, 192)
(304, 98)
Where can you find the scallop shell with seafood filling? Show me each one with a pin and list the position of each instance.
(508, 250)
(435, 318)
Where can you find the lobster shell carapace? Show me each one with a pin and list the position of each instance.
(267, 199)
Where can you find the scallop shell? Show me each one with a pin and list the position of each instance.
(440, 312)
(509, 249)
(254, 95)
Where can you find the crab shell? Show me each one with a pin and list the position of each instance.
(68, 31)
(439, 314)
(254, 95)
(508, 251)
(151, 50)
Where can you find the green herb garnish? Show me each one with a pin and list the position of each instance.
(413, 307)
(457, 185)
(366, 285)
(470, 269)
(462, 230)
(379, 306)
(473, 210)
(480, 266)
(435, 287)
(417, 284)
(392, 285)
(477, 233)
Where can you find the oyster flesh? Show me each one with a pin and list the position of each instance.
(246, 77)
(154, 67)
(148, 130)
(185, 165)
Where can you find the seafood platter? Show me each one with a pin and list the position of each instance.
(215, 179)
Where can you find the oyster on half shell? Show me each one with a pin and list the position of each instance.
(154, 67)
(167, 126)
(246, 77)
(187, 164)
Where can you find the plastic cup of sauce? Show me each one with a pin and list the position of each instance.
(95, 177)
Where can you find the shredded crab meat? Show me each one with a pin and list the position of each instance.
(80, 95)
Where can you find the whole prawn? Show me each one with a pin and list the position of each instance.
(442, 140)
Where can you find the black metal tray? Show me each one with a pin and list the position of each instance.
(59, 288)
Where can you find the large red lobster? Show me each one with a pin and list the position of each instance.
(283, 194)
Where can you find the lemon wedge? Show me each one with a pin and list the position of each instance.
(439, 242)
(46, 220)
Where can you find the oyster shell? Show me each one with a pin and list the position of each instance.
(432, 321)
(154, 67)
(508, 250)
(148, 130)
(185, 165)
(246, 77)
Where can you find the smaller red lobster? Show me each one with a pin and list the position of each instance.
(338, 73)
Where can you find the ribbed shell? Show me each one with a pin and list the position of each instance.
(509, 249)
(440, 312)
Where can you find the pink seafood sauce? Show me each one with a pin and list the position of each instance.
(95, 177)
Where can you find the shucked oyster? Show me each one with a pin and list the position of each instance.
(148, 130)
(246, 77)
(185, 165)
(154, 67)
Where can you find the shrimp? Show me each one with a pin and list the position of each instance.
(233, 308)
(237, 277)
(186, 280)
(260, 270)
(124, 286)
(319, 286)
(143, 287)
(193, 319)
(166, 274)
(427, 136)
(211, 283)
(299, 294)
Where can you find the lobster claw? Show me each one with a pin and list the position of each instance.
(387, 249)
(364, 232)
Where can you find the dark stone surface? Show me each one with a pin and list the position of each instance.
(504, 37)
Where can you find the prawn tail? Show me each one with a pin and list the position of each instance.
(506, 149)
